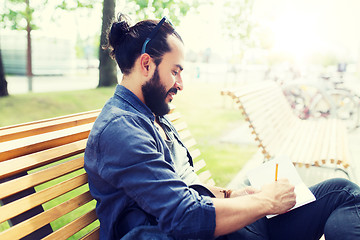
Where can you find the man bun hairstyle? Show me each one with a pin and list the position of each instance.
(125, 42)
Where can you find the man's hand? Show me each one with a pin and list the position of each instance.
(280, 195)
(244, 191)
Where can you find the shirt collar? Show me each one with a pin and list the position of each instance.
(134, 101)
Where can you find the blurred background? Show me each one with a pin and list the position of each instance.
(52, 63)
(228, 41)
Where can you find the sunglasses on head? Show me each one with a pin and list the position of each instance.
(154, 32)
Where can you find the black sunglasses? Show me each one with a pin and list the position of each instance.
(153, 33)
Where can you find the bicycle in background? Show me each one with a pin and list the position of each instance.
(330, 98)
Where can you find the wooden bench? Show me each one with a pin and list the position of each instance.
(278, 131)
(43, 186)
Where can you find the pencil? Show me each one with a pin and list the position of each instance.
(276, 171)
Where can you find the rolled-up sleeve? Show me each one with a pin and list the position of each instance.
(132, 159)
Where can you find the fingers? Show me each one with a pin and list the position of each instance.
(281, 195)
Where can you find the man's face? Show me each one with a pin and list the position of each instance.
(159, 91)
(155, 95)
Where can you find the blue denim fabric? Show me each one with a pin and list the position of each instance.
(147, 233)
(336, 212)
(132, 176)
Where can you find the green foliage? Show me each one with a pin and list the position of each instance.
(73, 5)
(237, 23)
(174, 9)
(16, 11)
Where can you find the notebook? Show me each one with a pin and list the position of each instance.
(265, 174)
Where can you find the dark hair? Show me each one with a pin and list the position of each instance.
(125, 42)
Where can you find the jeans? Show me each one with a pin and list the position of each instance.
(335, 213)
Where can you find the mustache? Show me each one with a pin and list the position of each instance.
(172, 90)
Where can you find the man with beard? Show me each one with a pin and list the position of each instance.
(142, 175)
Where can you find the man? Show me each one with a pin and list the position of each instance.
(142, 177)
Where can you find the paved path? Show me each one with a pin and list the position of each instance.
(80, 80)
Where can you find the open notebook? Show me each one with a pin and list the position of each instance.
(265, 174)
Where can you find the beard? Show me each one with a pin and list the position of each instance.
(155, 95)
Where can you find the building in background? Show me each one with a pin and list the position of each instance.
(50, 56)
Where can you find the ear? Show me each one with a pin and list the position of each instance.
(146, 64)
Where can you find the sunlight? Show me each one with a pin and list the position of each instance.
(303, 28)
(295, 34)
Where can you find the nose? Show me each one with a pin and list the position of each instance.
(179, 83)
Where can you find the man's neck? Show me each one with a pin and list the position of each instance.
(134, 85)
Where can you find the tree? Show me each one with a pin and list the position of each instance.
(107, 66)
(238, 25)
(3, 82)
(18, 10)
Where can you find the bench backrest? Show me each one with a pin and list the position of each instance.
(279, 131)
(43, 186)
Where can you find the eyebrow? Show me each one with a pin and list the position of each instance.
(180, 67)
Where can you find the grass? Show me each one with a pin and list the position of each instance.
(200, 104)
(203, 109)
(34, 106)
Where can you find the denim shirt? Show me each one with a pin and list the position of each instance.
(132, 175)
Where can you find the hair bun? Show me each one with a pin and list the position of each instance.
(118, 31)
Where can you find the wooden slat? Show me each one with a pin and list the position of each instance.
(45, 126)
(204, 176)
(28, 146)
(93, 235)
(24, 163)
(211, 182)
(319, 143)
(32, 180)
(174, 116)
(20, 147)
(190, 143)
(17, 207)
(73, 227)
(184, 134)
(47, 120)
(345, 161)
(24, 228)
(308, 155)
(195, 153)
(199, 165)
(182, 126)
(300, 143)
(278, 131)
(326, 145)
